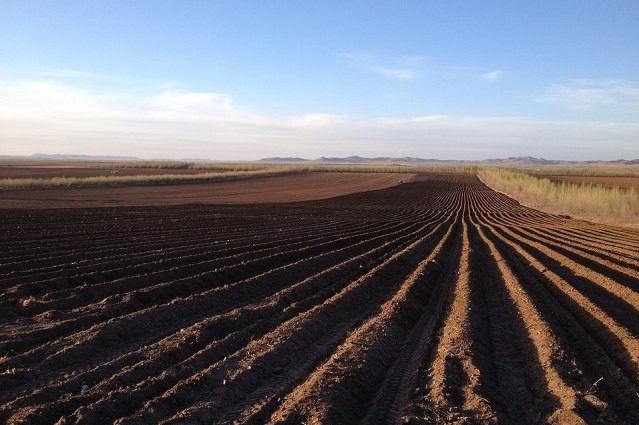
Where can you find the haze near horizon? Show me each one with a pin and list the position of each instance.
(247, 80)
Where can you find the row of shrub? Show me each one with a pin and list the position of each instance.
(212, 172)
(584, 170)
(20, 183)
(587, 170)
(352, 168)
(168, 165)
(594, 202)
(155, 164)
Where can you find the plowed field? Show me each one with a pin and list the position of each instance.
(434, 301)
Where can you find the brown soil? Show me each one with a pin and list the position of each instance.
(38, 171)
(434, 301)
(621, 182)
(284, 188)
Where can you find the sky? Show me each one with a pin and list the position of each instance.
(244, 80)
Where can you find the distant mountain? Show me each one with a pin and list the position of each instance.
(523, 160)
(285, 160)
(405, 160)
(350, 160)
(529, 160)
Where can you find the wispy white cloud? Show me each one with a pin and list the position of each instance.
(195, 104)
(414, 67)
(316, 120)
(55, 72)
(395, 73)
(399, 68)
(492, 75)
(591, 94)
(45, 116)
(413, 60)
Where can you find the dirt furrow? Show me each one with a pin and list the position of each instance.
(625, 238)
(97, 274)
(627, 275)
(155, 231)
(293, 345)
(218, 335)
(590, 281)
(67, 290)
(211, 300)
(548, 350)
(137, 299)
(341, 389)
(227, 239)
(601, 242)
(590, 349)
(393, 396)
(149, 252)
(452, 390)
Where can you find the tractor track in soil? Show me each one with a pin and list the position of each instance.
(434, 301)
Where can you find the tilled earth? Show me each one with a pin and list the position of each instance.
(435, 301)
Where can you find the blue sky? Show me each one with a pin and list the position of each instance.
(252, 79)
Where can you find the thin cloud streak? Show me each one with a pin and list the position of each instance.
(590, 94)
(52, 72)
(395, 73)
(492, 76)
(405, 67)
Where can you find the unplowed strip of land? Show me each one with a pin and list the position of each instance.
(275, 189)
(433, 301)
(85, 170)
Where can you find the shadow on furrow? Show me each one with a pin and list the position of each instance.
(620, 310)
(333, 394)
(511, 376)
(306, 340)
(591, 350)
(380, 252)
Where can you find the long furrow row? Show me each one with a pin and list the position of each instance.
(106, 279)
(482, 366)
(600, 342)
(342, 387)
(227, 327)
(575, 309)
(435, 301)
(181, 387)
(371, 249)
(164, 230)
(154, 236)
(169, 296)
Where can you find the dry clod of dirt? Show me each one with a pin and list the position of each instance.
(596, 403)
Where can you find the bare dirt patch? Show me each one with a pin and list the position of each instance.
(285, 188)
(37, 171)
